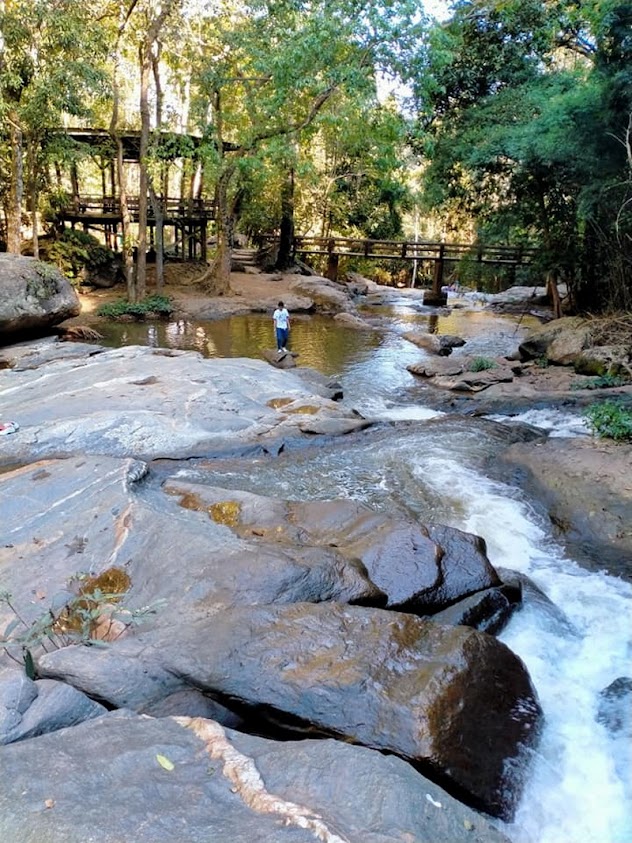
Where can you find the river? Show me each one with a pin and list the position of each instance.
(579, 784)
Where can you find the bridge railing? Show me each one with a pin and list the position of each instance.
(109, 205)
(421, 250)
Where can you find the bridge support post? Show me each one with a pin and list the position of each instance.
(436, 296)
(332, 263)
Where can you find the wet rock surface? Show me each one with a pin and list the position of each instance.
(273, 616)
(219, 782)
(453, 700)
(418, 568)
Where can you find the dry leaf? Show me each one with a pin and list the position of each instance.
(164, 762)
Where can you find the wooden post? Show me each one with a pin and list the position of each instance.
(332, 262)
(203, 246)
(436, 296)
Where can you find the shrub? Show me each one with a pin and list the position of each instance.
(602, 382)
(75, 251)
(122, 307)
(610, 420)
(481, 364)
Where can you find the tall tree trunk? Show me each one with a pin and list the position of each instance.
(16, 190)
(143, 189)
(158, 202)
(286, 238)
(33, 192)
(126, 246)
(220, 275)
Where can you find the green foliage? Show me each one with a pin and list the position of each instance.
(533, 102)
(75, 251)
(481, 364)
(606, 381)
(122, 307)
(610, 420)
(85, 618)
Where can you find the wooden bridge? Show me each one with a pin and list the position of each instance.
(437, 253)
(188, 217)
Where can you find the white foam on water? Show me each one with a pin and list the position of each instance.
(557, 422)
(412, 412)
(578, 789)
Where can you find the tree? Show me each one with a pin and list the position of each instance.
(50, 58)
(523, 109)
(273, 69)
(149, 65)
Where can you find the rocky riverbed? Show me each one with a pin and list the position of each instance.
(207, 657)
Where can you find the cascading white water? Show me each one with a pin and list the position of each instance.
(579, 785)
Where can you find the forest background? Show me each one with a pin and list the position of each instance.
(509, 121)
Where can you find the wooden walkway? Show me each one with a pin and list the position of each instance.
(437, 253)
(188, 217)
(420, 250)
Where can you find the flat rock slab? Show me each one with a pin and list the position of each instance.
(218, 785)
(144, 402)
(284, 360)
(587, 488)
(350, 320)
(453, 700)
(62, 517)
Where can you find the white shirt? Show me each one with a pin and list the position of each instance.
(281, 318)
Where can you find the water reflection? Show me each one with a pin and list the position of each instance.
(325, 344)
(320, 342)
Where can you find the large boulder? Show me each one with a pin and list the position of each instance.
(190, 780)
(34, 296)
(560, 341)
(326, 296)
(420, 569)
(453, 701)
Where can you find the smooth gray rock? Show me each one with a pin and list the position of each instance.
(147, 403)
(452, 700)
(17, 692)
(326, 296)
(275, 793)
(55, 706)
(35, 296)
(61, 517)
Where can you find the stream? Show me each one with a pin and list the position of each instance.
(432, 466)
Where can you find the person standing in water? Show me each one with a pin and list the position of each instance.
(282, 327)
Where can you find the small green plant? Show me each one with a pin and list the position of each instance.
(542, 362)
(481, 364)
(602, 382)
(610, 420)
(122, 307)
(92, 617)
